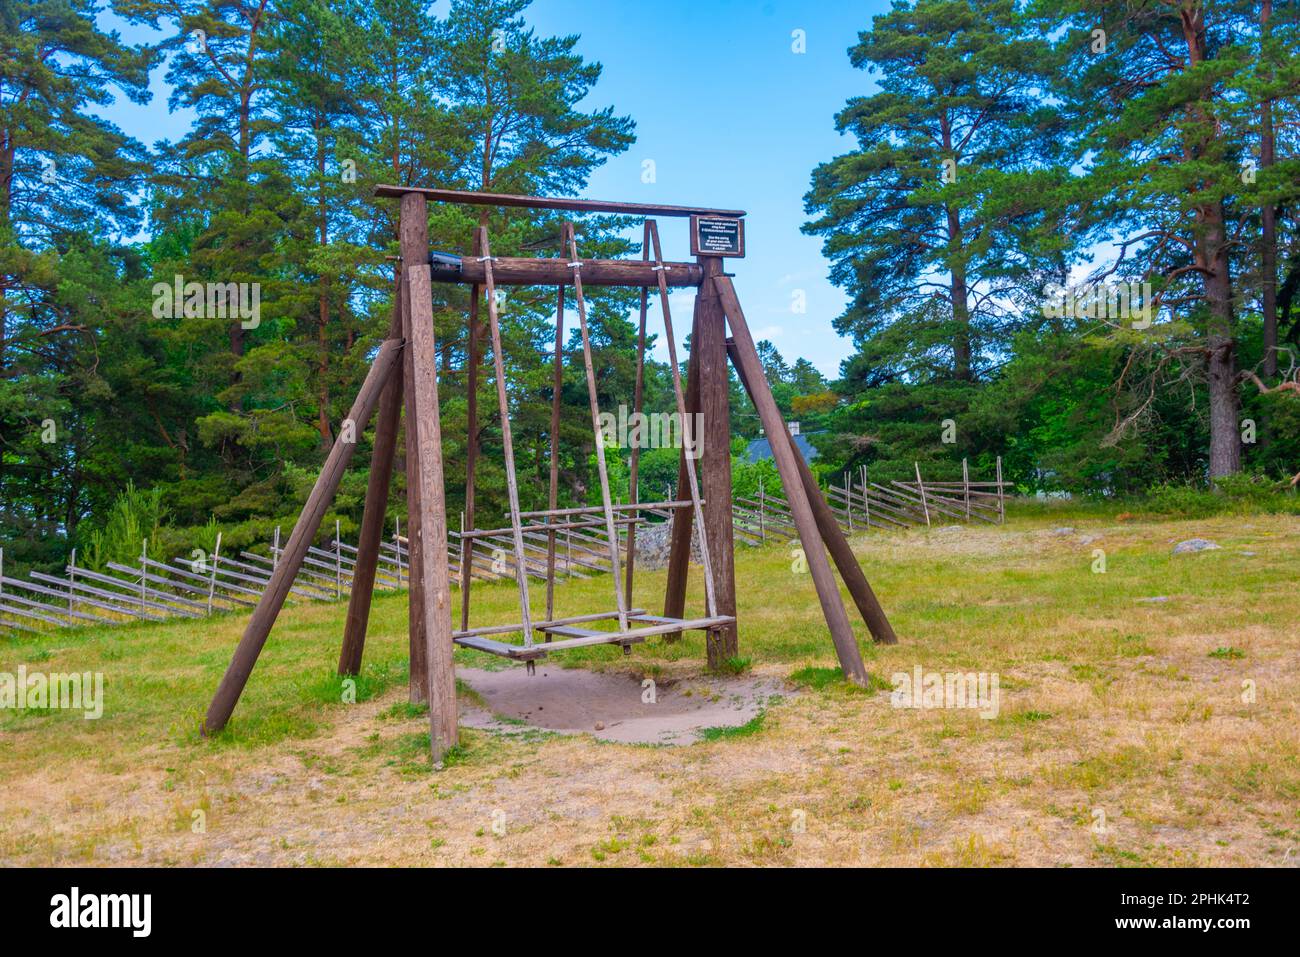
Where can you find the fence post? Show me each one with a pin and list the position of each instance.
(212, 583)
(965, 483)
(762, 513)
(848, 498)
(866, 499)
(144, 570)
(397, 541)
(72, 580)
(338, 561)
(275, 549)
(1002, 513)
(921, 488)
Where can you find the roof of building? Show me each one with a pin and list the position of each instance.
(762, 449)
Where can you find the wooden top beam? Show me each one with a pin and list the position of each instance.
(568, 203)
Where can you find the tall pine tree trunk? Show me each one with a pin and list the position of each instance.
(1210, 250)
(1268, 221)
(961, 345)
(1221, 349)
(323, 312)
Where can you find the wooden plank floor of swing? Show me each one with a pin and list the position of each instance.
(575, 637)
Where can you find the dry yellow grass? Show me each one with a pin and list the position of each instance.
(1121, 738)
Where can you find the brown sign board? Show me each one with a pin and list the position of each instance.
(717, 236)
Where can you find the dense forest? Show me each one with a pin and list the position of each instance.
(1068, 231)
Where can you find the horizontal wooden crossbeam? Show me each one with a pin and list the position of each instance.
(567, 203)
(525, 271)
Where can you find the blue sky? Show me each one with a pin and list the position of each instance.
(731, 117)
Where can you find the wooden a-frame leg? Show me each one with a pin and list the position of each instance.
(847, 563)
(427, 520)
(828, 592)
(291, 557)
(372, 517)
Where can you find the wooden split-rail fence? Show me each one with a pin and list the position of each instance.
(153, 590)
(860, 504)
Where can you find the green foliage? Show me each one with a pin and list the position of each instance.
(1244, 494)
(134, 517)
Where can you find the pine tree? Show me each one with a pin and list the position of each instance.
(921, 220)
(67, 179)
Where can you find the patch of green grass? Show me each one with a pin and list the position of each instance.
(1029, 717)
(832, 679)
(375, 679)
(751, 727)
(1227, 653)
(404, 711)
(735, 666)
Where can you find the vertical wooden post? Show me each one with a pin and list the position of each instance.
(376, 505)
(72, 581)
(965, 484)
(848, 498)
(866, 499)
(709, 345)
(762, 513)
(144, 571)
(787, 458)
(413, 230)
(212, 582)
(397, 546)
(1002, 511)
(275, 548)
(427, 522)
(921, 488)
(338, 562)
(282, 576)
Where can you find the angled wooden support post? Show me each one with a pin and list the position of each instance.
(882, 632)
(430, 593)
(828, 593)
(372, 517)
(290, 561)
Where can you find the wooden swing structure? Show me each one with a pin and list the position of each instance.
(703, 497)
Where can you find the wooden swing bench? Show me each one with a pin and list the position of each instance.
(571, 635)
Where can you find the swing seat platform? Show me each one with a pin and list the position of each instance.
(572, 636)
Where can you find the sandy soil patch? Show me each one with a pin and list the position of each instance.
(615, 707)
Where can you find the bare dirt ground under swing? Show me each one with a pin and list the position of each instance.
(1130, 731)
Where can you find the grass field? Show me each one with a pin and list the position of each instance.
(1129, 732)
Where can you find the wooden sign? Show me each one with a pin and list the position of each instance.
(717, 236)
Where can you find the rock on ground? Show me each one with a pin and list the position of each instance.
(1194, 545)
